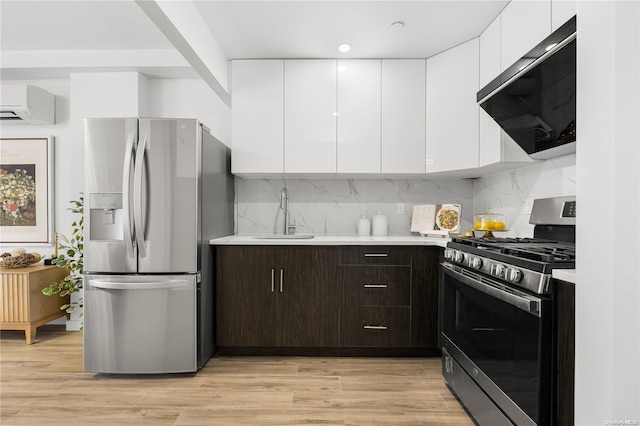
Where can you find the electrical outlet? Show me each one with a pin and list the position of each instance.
(528, 205)
(400, 208)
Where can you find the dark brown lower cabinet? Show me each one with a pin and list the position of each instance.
(276, 296)
(246, 306)
(375, 309)
(425, 274)
(347, 298)
(375, 326)
(565, 314)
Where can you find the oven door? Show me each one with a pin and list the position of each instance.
(502, 338)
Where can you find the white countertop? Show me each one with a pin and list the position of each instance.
(568, 275)
(334, 240)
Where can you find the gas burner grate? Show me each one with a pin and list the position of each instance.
(542, 253)
(536, 249)
(492, 242)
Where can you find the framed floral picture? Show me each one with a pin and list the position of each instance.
(26, 190)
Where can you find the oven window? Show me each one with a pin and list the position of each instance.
(504, 341)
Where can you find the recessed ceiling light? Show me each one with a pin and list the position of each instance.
(344, 47)
(397, 26)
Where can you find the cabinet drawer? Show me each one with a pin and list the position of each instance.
(375, 255)
(372, 326)
(375, 285)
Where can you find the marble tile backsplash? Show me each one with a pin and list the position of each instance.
(508, 192)
(333, 207)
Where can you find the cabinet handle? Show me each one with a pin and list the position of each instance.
(281, 279)
(376, 255)
(273, 279)
(375, 286)
(375, 327)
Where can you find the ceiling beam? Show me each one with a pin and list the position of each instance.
(36, 64)
(183, 26)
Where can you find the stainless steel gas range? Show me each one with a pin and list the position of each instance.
(497, 318)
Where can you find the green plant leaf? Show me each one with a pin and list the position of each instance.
(70, 257)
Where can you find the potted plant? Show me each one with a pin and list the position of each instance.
(69, 255)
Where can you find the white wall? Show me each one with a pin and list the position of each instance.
(608, 231)
(508, 192)
(190, 99)
(65, 187)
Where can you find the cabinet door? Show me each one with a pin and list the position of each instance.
(308, 301)
(424, 297)
(359, 116)
(525, 23)
(403, 115)
(376, 326)
(310, 116)
(490, 52)
(257, 119)
(452, 111)
(246, 299)
(375, 286)
(490, 149)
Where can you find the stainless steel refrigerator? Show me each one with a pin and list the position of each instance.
(156, 191)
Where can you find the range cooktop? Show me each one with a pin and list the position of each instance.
(532, 253)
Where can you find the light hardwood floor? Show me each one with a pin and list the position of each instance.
(44, 384)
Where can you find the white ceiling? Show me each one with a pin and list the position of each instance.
(255, 29)
(77, 25)
(313, 29)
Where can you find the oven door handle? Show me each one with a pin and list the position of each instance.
(513, 297)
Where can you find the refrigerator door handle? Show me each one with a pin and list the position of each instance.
(129, 157)
(137, 197)
(150, 285)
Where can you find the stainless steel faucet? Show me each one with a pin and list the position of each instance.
(284, 205)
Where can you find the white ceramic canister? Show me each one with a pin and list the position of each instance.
(379, 225)
(364, 227)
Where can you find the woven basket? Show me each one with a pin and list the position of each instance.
(7, 260)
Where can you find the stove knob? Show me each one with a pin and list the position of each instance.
(448, 254)
(498, 271)
(476, 263)
(513, 275)
(459, 257)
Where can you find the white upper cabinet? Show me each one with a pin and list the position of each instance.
(403, 116)
(490, 52)
(525, 23)
(257, 116)
(490, 142)
(359, 116)
(452, 111)
(562, 11)
(310, 110)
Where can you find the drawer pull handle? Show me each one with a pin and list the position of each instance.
(375, 286)
(376, 255)
(375, 327)
(273, 278)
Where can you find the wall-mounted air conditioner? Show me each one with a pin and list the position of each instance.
(26, 104)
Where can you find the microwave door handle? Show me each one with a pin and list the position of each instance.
(525, 303)
(141, 155)
(127, 225)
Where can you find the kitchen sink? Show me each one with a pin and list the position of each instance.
(284, 237)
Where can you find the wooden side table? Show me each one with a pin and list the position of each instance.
(22, 304)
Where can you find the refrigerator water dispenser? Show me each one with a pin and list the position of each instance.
(106, 217)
